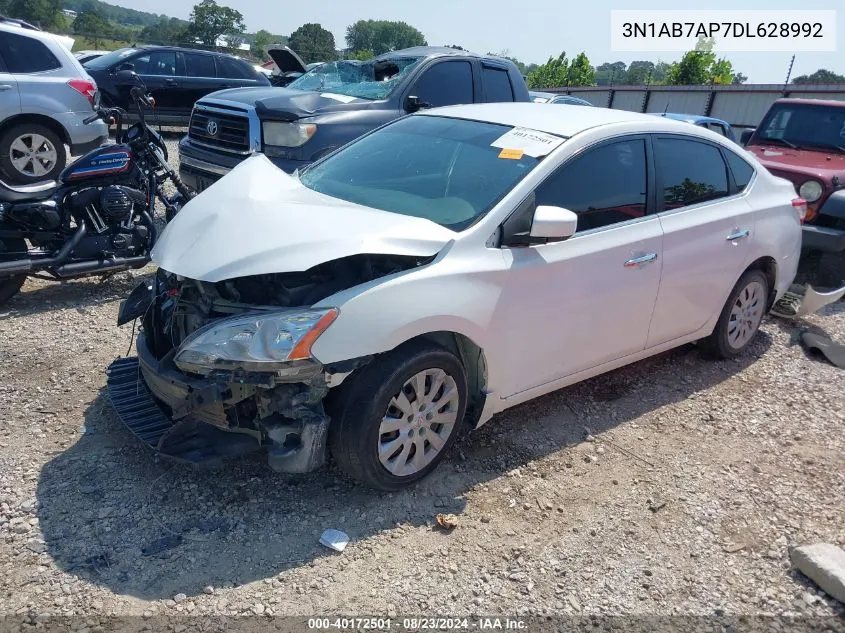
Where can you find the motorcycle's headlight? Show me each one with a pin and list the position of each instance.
(283, 134)
(810, 190)
(254, 342)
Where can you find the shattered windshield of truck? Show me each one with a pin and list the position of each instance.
(361, 80)
(805, 126)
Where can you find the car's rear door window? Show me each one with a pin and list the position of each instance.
(24, 55)
(199, 65)
(691, 172)
(445, 83)
(604, 186)
(741, 170)
(232, 68)
(497, 84)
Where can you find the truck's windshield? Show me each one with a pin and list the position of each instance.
(806, 126)
(361, 80)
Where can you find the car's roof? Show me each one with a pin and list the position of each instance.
(436, 51)
(822, 102)
(690, 118)
(563, 120)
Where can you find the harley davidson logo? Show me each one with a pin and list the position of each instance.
(212, 127)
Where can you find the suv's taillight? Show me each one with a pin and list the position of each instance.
(85, 87)
(800, 206)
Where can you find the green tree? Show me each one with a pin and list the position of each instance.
(608, 73)
(638, 73)
(739, 78)
(166, 31)
(211, 21)
(821, 76)
(44, 13)
(552, 74)
(382, 36)
(313, 43)
(93, 26)
(580, 72)
(261, 42)
(361, 55)
(693, 69)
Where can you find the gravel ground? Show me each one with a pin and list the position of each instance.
(674, 486)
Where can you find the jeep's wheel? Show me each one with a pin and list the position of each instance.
(394, 423)
(741, 317)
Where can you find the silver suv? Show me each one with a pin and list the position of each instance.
(44, 96)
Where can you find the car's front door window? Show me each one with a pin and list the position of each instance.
(604, 186)
(157, 63)
(445, 83)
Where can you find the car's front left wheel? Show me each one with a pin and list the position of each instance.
(393, 422)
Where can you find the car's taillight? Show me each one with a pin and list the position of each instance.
(84, 87)
(800, 206)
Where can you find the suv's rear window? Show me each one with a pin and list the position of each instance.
(26, 55)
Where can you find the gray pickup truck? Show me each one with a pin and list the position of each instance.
(333, 104)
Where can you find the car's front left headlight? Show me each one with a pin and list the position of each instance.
(811, 190)
(283, 134)
(254, 342)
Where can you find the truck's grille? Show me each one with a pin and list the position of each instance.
(231, 131)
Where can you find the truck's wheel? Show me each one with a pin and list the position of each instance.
(396, 420)
(10, 250)
(740, 318)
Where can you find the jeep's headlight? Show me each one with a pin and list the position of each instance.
(282, 134)
(254, 342)
(810, 190)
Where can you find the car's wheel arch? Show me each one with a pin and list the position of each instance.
(38, 119)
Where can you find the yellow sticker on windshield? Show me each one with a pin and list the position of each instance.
(513, 154)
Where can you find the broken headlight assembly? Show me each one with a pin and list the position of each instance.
(284, 134)
(259, 342)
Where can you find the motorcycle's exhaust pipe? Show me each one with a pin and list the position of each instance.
(29, 265)
(86, 268)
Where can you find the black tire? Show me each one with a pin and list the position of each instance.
(719, 344)
(11, 173)
(362, 401)
(11, 284)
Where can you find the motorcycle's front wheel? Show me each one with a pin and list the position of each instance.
(10, 250)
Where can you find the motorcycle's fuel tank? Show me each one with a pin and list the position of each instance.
(103, 162)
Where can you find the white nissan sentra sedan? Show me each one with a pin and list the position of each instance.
(432, 273)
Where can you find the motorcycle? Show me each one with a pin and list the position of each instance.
(98, 218)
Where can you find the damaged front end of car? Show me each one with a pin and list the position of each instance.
(225, 368)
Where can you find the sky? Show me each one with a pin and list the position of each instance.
(530, 30)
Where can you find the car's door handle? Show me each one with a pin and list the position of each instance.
(642, 260)
(170, 82)
(738, 235)
(4, 87)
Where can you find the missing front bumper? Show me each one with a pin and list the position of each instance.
(188, 419)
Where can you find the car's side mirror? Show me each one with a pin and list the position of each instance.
(126, 76)
(414, 103)
(552, 224)
(124, 66)
(746, 136)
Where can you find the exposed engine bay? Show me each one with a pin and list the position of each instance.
(281, 409)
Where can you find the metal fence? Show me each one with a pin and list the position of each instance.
(741, 106)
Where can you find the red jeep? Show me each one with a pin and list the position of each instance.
(803, 140)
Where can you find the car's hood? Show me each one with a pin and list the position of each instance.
(286, 60)
(258, 220)
(286, 103)
(785, 161)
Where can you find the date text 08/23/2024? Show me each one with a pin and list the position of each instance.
(417, 624)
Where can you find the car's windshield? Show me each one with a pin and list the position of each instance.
(108, 59)
(807, 126)
(449, 171)
(362, 80)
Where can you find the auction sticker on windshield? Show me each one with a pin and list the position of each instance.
(531, 142)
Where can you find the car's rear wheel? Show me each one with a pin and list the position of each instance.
(740, 318)
(393, 423)
(31, 153)
(11, 249)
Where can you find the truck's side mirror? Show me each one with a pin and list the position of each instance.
(414, 103)
(746, 136)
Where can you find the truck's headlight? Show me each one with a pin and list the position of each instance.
(281, 134)
(254, 342)
(810, 190)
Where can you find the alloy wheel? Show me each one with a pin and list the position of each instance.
(33, 155)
